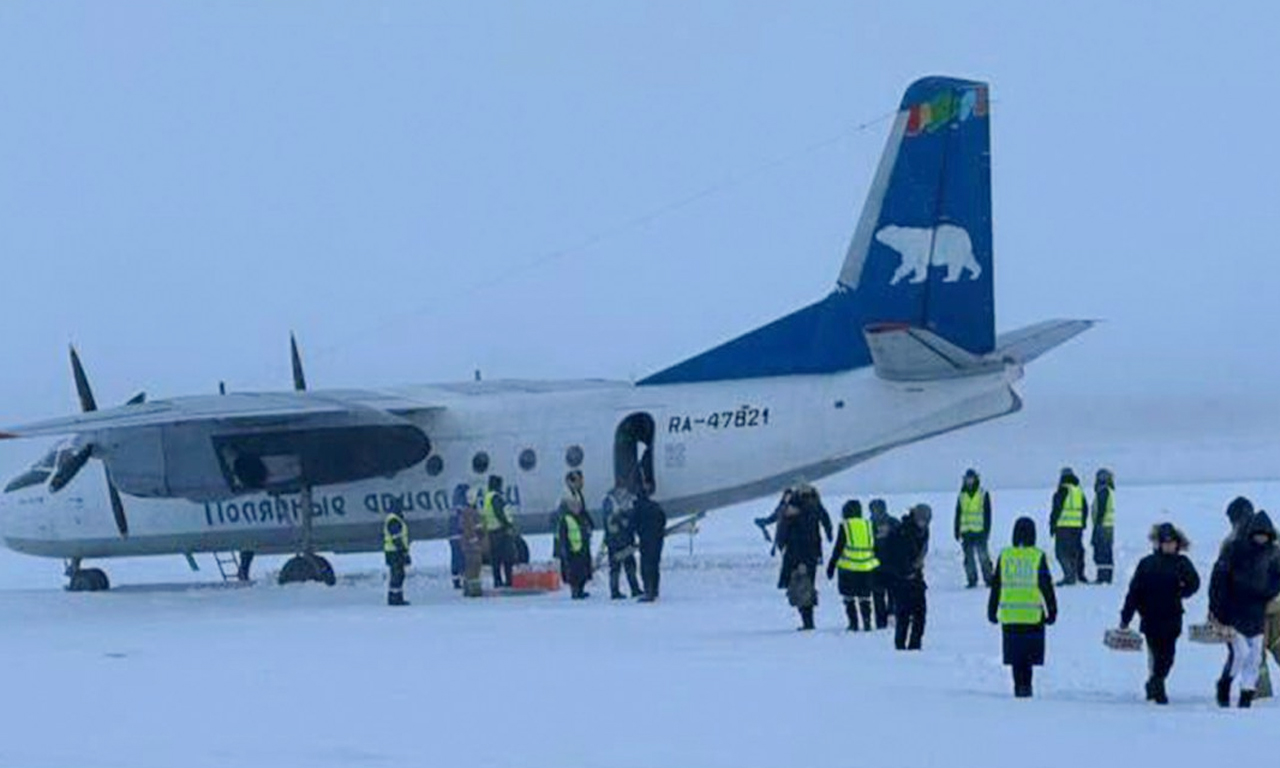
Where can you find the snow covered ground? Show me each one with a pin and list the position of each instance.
(163, 671)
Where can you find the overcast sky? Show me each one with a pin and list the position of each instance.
(570, 189)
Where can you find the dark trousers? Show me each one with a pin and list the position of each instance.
(616, 566)
(395, 585)
(1160, 651)
(910, 608)
(975, 554)
(1022, 680)
(882, 597)
(500, 557)
(650, 560)
(457, 562)
(1103, 553)
(1068, 547)
(855, 588)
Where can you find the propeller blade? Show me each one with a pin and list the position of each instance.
(87, 403)
(117, 508)
(68, 468)
(137, 399)
(299, 381)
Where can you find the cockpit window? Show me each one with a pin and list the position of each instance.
(40, 471)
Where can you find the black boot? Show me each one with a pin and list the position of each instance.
(851, 612)
(1246, 699)
(396, 598)
(1157, 692)
(1224, 691)
(806, 619)
(1151, 691)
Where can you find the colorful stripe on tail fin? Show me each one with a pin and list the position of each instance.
(921, 254)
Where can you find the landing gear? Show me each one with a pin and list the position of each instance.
(307, 565)
(300, 568)
(86, 579)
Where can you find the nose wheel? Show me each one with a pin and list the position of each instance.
(86, 579)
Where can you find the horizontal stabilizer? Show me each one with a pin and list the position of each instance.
(904, 353)
(1026, 344)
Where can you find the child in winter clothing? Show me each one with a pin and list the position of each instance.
(1163, 580)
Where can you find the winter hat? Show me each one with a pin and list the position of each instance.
(1261, 523)
(1239, 510)
(1024, 532)
(878, 507)
(851, 508)
(1169, 532)
(923, 513)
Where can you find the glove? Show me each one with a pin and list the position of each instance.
(991, 617)
(1051, 618)
(408, 560)
(1124, 625)
(831, 574)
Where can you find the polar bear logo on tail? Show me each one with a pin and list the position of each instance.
(949, 245)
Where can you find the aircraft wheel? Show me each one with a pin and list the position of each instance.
(302, 568)
(89, 580)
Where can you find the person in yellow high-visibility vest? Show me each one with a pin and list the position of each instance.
(395, 547)
(574, 534)
(973, 528)
(1067, 522)
(497, 524)
(854, 554)
(1104, 525)
(1023, 603)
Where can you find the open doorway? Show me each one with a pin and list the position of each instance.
(633, 452)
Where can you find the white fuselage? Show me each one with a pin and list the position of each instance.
(713, 444)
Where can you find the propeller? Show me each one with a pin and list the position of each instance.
(69, 467)
(299, 380)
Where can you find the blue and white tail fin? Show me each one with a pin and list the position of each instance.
(921, 255)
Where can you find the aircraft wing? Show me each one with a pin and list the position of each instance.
(220, 446)
(235, 410)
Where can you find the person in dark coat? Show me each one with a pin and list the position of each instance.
(1163, 580)
(574, 535)
(620, 539)
(905, 553)
(1067, 522)
(457, 560)
(972, 528)
(1023, 602)
(854, 554)
(1239, 513)
(882, 578)
(651, 530)
(800, 540)
(1243, 583)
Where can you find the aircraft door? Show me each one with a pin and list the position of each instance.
(633, 452)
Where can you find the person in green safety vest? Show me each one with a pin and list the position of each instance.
(973, 528)
(1104, 525)
(1023, 603)
(1066, 524)
(493, 516)
(854, 554)
(395, 547)
(574, 535)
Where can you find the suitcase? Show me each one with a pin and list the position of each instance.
(1122, 640)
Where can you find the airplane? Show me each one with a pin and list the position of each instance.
(903, 348)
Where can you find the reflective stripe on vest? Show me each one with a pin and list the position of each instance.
(859, 546)
(1109, 511)
(395, 542)
(972, 508)
(488, 515)
(575, 533)
(1072, 508)
(1020, 599)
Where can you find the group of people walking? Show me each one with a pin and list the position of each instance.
(880, 561)
(633, 522)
